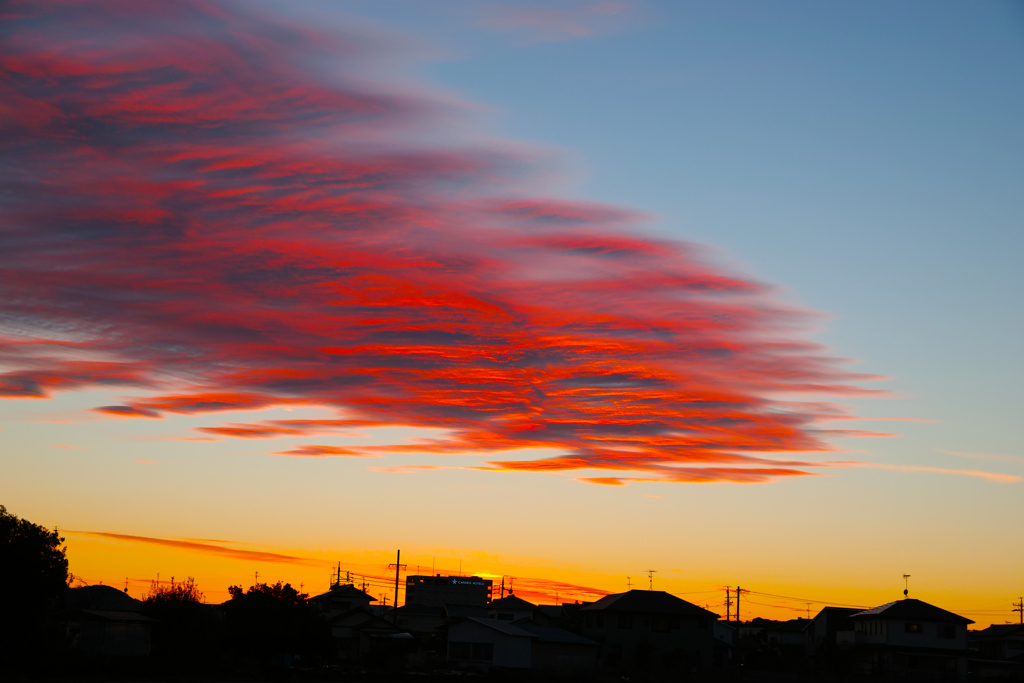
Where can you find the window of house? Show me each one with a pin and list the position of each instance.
(911, 627)
(505, 616)
(590, 622)
(600, 620)
(673, 622)
(947, 631)
(659, 624)
(703, 622)
(476, 652)
(626, 621)
(341, 605)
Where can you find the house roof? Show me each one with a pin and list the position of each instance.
(838, 611)
(552, 634)
(793, 625)
(511, 602)
(910, 608)
(506, 627)
(649, 602)
(1000, 631)
(347, 591)
(102, 597)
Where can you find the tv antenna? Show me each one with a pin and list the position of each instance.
(906, 585)
(650, 578)
(629, 584)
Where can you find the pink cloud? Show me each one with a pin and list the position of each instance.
(179, 224)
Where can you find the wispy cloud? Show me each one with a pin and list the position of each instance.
(553, 21)
(199, 210)
(208, 548)
(991, 476)
(311, 451)
(987, 456)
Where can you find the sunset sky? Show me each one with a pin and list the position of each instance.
(564, 292)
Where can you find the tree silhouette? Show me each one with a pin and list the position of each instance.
(185, 634)
(33, 584)
(272, 622)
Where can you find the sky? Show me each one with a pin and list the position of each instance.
(557, 292)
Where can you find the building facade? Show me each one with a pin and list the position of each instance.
(439, 591)
(650, 631)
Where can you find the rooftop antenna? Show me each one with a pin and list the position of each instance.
(650, 579)
(629, 584)
(906, 586)
(1019, 607)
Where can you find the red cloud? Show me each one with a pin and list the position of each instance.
(208, 548)
(311, 451)
(192, 194)
(128, 411)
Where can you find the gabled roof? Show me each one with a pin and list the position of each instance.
(106, 598)
(347, 591)
(511, 602)
(838, 611)
(552, 634)
(648, 602)
(910, 608)
(505, 627)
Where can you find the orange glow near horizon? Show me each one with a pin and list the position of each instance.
(117, 559)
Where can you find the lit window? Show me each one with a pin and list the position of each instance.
(913, 628)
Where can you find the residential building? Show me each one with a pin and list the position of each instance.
(487, 644)
(340, 599)
(910, 638)
(650, 631)
(511, 608)
(103, 621)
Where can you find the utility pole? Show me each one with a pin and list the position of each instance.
(503, 587)
(1019, 607)
(650, 579)
(398, 567)
(738, 591)
(728, 604)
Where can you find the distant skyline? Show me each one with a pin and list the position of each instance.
(565, 290)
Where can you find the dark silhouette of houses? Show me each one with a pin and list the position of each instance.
(102, 621)
(511, 608)
(909, 638)
(341, 598)
(489, 644)
(997, 652)
(823, 634)
(650, 631)
(361, 635)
